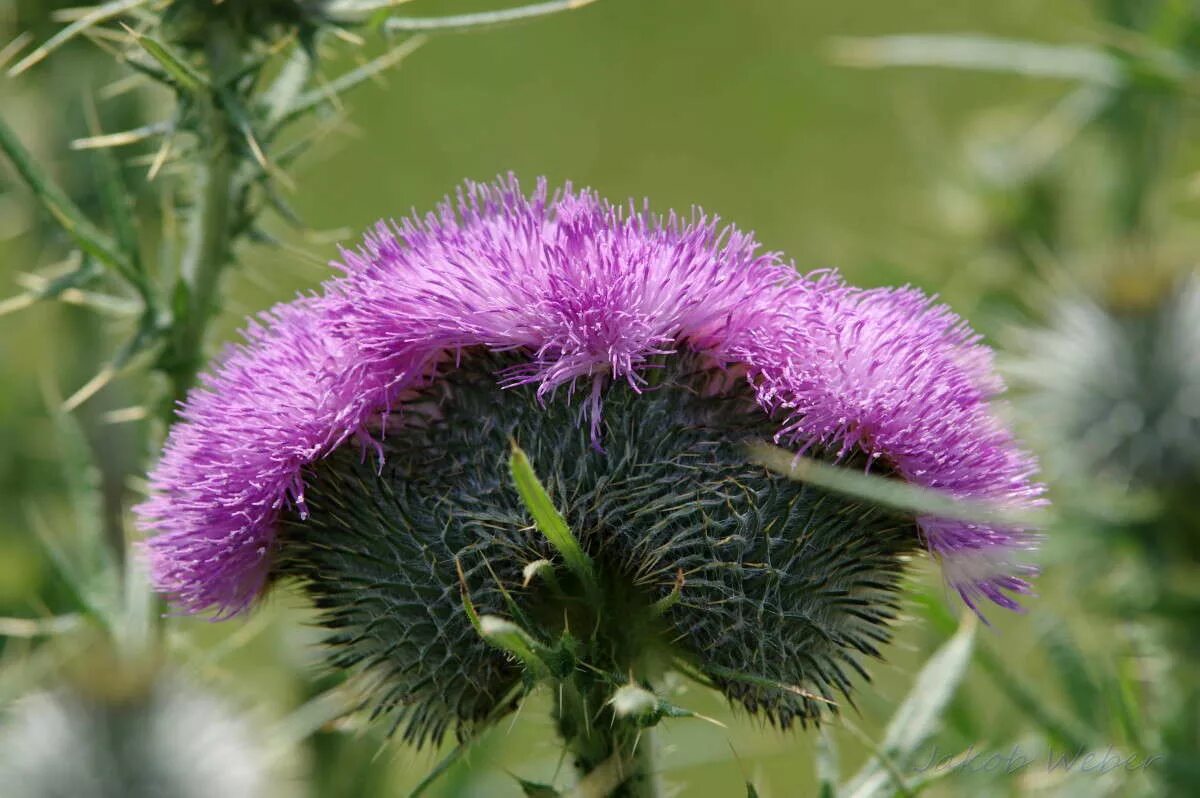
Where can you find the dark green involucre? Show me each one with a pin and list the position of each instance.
(770, 589)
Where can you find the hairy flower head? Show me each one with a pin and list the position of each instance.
(356, 440)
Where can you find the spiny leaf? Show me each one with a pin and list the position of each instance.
(483, 19)
(147, 334)
(351, 80)
(549, 521)
(83, 273)
(175, 65)
(97, 15)
(115, 197)
(56, 202)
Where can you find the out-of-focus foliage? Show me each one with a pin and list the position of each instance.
(1031, 162)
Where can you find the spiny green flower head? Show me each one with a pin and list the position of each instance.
(1117, 383)
(360, 442)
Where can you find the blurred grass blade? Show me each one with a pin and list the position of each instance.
(456, 753)
(40, 627)
(10, 50)
(352, 79)
(549, 521)
(1066, 734)
(981, 54)
(65, 212)
(918, 717)
(482, 19)
(827, 763)
(95, 16)
(1071, 668)
(885, 491)
(81, 554)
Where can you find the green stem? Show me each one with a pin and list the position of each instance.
(210, 226)
(614, 757)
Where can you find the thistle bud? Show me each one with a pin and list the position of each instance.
(161, 738)
(1115, 385)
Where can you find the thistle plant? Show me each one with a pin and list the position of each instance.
(524, 441)
(531, 441)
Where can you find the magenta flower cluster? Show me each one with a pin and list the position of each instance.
(587, 293)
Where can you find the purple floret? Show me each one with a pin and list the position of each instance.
(591, 293)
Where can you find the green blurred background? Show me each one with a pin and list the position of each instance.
(738, 106)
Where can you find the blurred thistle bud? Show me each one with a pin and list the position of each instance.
(510, 446)
(1115, 388)
(144, 736)
(263, 20)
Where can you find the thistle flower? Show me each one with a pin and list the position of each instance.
(357, 441)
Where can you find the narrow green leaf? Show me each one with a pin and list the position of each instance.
(888, 492)
(97, 15)
(982, 53)
(1061, 731)
(482, 19)
(1071, 668)
(549, 521)
(456, 753)
(917, 718)
(65, 212)
(751, 792)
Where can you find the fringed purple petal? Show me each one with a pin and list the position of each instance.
(591, 292)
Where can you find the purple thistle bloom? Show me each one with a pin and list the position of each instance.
(585, 295)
